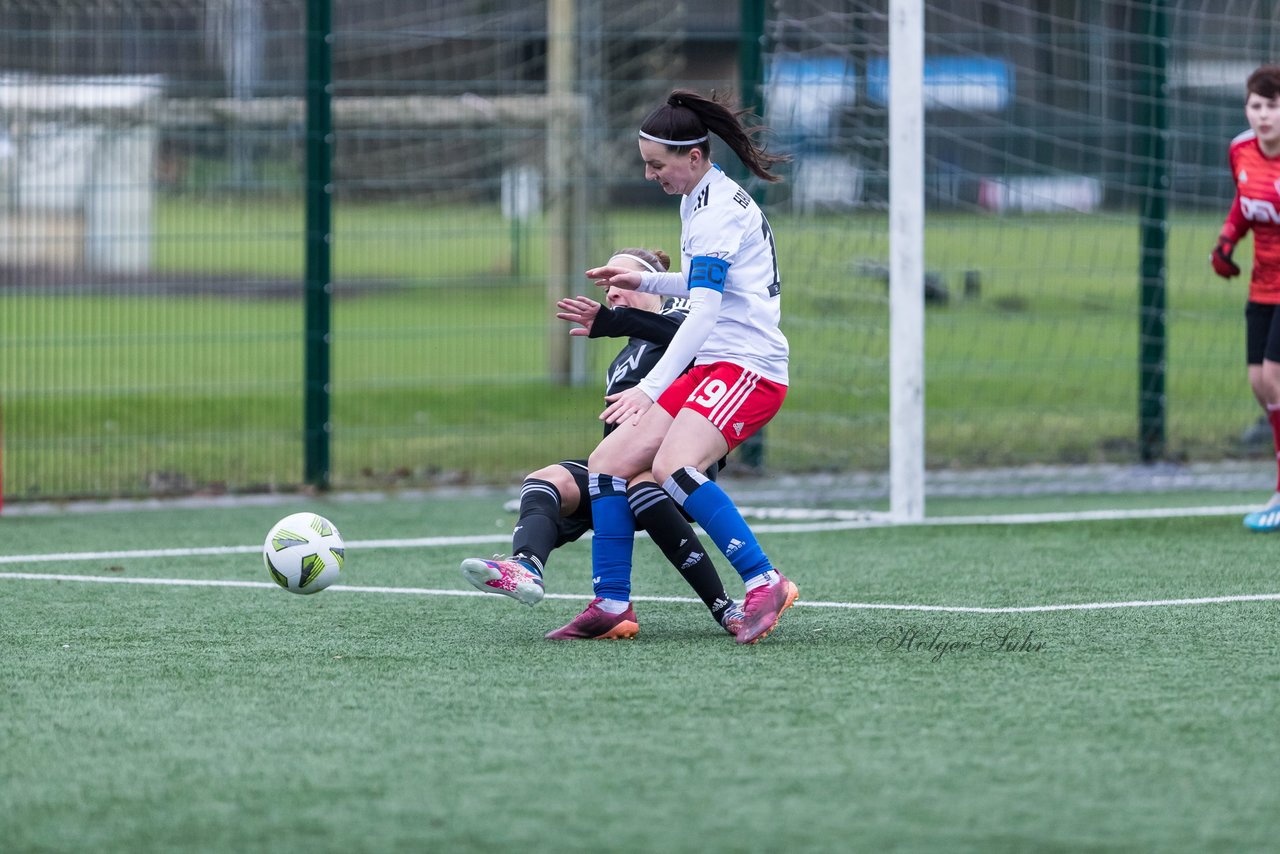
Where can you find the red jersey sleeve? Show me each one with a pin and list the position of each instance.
(1236, 226)
(1256, 207)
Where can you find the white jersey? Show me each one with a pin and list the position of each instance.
(720, 220)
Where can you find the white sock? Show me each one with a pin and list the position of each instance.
(764, 579)
(1274, 502)
(612, 606)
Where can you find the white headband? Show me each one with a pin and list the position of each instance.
(678, 143)
(648, 266)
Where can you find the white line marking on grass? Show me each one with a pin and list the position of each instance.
(1034, 609)
(115, 579)
(850, 519)
(843, 521)
(421, 542)
(836, 521)
(850, 606)
(1091, 516)
(140, 553)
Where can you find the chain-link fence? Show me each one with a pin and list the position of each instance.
(152, 230)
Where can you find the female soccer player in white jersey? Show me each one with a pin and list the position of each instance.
(729, 273)
(1255, 168)
(554, 505)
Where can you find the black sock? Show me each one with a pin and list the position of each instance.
(538, 527)
(657, 513)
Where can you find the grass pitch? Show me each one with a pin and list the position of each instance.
(178, 701)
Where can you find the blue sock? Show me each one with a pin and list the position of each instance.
(711, 508)
(615, 532)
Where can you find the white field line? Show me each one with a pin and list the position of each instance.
(848, 519)
(826, 520)
(848, 606)
(844, 520)
(421, 542)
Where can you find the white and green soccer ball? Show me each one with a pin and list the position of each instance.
(304, 553)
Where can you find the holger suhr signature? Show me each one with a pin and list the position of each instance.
(936, 643)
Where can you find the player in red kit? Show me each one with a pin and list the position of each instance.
(1255, 167)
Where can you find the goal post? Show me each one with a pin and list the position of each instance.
(906, 260)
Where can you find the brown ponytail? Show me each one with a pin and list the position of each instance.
(689, 116)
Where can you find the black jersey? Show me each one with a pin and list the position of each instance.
(648, 333)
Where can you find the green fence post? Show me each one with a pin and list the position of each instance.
(750, 48)
(1152, 341)
(318, 286)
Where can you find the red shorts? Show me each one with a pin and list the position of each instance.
(737, 401)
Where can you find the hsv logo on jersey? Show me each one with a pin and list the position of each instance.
(631, 363)
(1258, 210)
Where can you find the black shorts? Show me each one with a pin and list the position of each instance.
(1262, 332)
(577, 523)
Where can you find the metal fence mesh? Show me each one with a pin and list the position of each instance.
(152, 227)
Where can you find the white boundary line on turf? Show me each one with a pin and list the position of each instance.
(848, 606)
(856, 520)
(843, 520)
(421, 542)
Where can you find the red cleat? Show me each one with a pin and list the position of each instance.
(595, 624)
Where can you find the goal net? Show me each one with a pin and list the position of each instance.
(1051, 130)
(484, 154)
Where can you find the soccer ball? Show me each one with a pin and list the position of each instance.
(303, 553)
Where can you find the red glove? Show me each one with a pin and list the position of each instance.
(1221, 259)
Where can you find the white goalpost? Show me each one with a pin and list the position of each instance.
(906, 260)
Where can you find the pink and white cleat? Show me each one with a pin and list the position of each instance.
(596, 624)
(510, 577)
(763, 607)
(731, 618)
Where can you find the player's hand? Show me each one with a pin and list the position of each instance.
(1221, 259)
(578, 310)
(631, 403)
(620, 277)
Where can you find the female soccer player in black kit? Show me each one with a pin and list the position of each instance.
(554, 505)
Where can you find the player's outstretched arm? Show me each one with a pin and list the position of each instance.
(582, 311)
(624, 322)
(620, 277)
